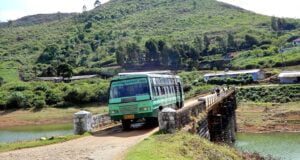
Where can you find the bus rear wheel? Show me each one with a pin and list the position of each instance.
(151, 121)
(126, 124)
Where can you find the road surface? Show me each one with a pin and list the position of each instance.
(107, 145)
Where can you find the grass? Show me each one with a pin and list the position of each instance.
(5, 147)
(9, 71)
(181, 146)
(286, 58)
(12, 118)
(262, 117)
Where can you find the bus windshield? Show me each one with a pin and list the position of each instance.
(129, 88)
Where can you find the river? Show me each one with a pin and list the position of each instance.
(14, 134)
(285, 146)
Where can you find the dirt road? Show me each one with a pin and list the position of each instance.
(107, 145)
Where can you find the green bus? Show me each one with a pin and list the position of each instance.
(140, 95)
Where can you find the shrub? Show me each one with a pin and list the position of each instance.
(187, 88)
(16, 100)
(54, 96)
(19, 87)
(39, 102)
(1, 81)
(278, 94)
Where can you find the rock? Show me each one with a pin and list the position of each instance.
(51, 138)
(43, 138)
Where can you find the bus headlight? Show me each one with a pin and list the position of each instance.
(114, 111)
(144, 108)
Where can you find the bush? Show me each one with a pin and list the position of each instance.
(1, 81)
(242, 79)
(278, 94)
(39, 102)
(19, 87)
(54, 96)
(16, 100)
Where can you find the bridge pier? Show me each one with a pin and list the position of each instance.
(222, 121)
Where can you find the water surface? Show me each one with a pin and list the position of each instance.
(285, 146)
(14, 134)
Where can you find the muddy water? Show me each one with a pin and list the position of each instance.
(284, 146)
(14, 134)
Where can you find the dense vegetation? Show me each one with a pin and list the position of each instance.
(276, 94)
(134, 33)
(242, 79)
(41, 94)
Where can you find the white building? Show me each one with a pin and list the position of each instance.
(256, 74)
(289, 77)
(296, 42)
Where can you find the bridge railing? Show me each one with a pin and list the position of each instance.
(170, 119)
(213, 98)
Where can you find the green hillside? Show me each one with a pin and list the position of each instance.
(134, 34)
(93, 37)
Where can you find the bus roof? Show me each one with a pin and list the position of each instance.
(165, 74)
(148, 72)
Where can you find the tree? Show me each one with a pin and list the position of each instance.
(120, 57)
(152, 54)
(206, 42)
(174, 57)
(1, 81)
(133, 53)
(250, 41)
(50, 71)
(161, 45)
(97, 3)
(65, 70)
(274, 24)
(221, 45)
(198, 44)
(194, 5)
(231, 44)
(50, 53)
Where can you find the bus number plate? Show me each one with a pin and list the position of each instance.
(130, 116)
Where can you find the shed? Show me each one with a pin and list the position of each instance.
(296, 42)
(256, 74)
(289, 77)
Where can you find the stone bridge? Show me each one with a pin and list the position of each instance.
(212, 117)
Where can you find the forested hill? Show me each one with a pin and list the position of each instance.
(37, 19)
(169, 33)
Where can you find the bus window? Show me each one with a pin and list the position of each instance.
(129, 88)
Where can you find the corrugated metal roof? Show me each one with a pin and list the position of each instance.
(296, 40)
(72, 78)
(232, 72)
(289, 74)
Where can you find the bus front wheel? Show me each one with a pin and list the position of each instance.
(126, 124)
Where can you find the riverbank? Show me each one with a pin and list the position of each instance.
(5, 147)
(46, 116)
(253, 117)
(182, 145)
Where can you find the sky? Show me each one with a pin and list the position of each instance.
(14, 9)
(278, 8)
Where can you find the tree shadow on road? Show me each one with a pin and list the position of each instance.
(137, 129)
